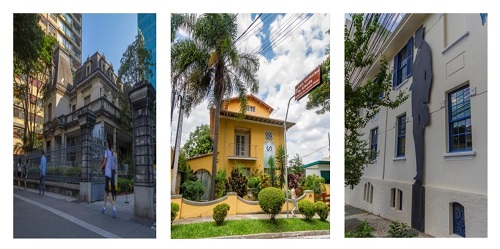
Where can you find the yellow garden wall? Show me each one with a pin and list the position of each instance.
(191, 209)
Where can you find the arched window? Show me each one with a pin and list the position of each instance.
(88, 69)
(368, 193)
(458, 219)
(397, 199)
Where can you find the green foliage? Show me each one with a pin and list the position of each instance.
(273, 178)
(187, 174)
(271, 201)
(296, 165)
(135, 68)
(245, 227)
(125, 121)
(306, 208)
(319, 98)
(136, 62)
(73, 171)
(220, 183)
(322, 210)
(281, 164)
(199, 142)
(209, 64)
(220, 213)
(237, 182)
(33, 54)
(193, 190)
(264, 183)
(127, 159)
(174, 209)
(362, 230)
(362, 96)
(253, 185)
(253, 182)
(125, 185)
(314, 183)
(399, 230)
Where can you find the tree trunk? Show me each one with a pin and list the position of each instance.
(215, 150)
(177, 146)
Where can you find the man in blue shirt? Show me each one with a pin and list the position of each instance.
(43, 166)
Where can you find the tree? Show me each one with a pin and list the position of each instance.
(33, 54)
(189, 77)
(225, 71)
(296, 165)
(199, 141)
(319, 98)
(272, 172)
(370, 96)
(281, 163)
(135, 68)
(136, 62)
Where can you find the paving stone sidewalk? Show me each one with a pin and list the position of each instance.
(354, 216)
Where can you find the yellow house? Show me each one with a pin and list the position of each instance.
(248, 141)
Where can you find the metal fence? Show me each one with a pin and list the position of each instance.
(63, 165)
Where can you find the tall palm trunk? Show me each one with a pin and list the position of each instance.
(218, 93)
(177, 145)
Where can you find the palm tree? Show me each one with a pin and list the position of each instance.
(225, 71)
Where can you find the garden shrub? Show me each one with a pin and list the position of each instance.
(362, 230)
(399, 230)
(220, 183)
(125, 185)
(253, 185)
(73, 171)
(220, 213)
(314, 183)
(193, 190)
(174, 209)
(237, 182)
(322, 210)
(307, 209)
(271, 201)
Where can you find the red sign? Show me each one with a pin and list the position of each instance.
(309, 83)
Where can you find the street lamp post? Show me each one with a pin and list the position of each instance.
(286, 166)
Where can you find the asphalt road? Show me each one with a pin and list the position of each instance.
(55, 216)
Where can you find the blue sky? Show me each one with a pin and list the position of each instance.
(283, 65)
(109, 34)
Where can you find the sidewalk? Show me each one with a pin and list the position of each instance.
(72, 212)
(354, 216)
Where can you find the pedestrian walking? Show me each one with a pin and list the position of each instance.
(114, 176)
(106, 167)
(294, 201)
(19, 168)
(43, 166)
(25, 173)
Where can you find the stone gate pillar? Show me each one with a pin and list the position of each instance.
(142, 98)
(86, 120)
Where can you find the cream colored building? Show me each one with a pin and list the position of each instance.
(67, 28)
(96, 87)
(455, 140)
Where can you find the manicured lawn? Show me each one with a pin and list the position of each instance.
(243, 227)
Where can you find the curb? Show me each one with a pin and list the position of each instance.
(276, 235)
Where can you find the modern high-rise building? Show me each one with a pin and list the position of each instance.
(147, 26)
(67, 28)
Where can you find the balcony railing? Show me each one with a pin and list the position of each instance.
(98, 106)
(242, 151)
